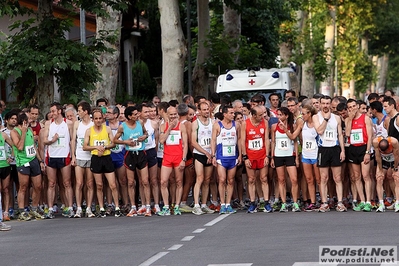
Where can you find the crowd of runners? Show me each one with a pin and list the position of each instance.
(302, 154)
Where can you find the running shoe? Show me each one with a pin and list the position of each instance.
(242, 206)
(165, 212)
(212, 206)
(36, 215)
(396, 207)
(341, 208)
(359, 207)
(387, 203)
(71, 213)
(141, 211)
(374, 205)
(207, 210)
(324, 208)
(185, 208)
(381, 208)
(132, 213)
(392, 207)
(50, 214)
(217, 209)
(229, 209)
(78, 214)
(295, 207)
(367, 207)
(24, 216)
(310, 208)
(11, 213)
(4, 227)
(102, 214)
(261, 207)
(55, 208)
(283, 207)
(331, 203)
(40, 210)
(118, 213)
(176, 210)
(268, 208)
(89, 213)
(148, 213)
(276, 206)
(65, 212)
(156, 209)
(6, 217)
(197, 211)
(109, 210)
(252, 208)
(223, 210)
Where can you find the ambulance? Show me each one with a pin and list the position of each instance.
(243, 84)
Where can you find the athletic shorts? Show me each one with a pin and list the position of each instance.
(117, 164)
(257, 164)
(32, 170)
(286, 160)
(356, 154)
(386, 165)
(189, 162)
(135, 159)
(171, 160)
(5, 172)
(202, 159)
(159, 160)
(151, 157)
(58, 163)
(83, 163)
(228, 163)
(309, 161)
(101, 164)
(14, 174)
(329, 156)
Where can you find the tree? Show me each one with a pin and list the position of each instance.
(173, 50)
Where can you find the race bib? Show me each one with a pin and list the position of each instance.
(255, 144)
(356, 136)
(228, 150)
(136, 145)
(388, 157)
(2, 153)
(309, 145)
(80, 142)
(160, 147)
(30, 151)
(282, 144)
(60, 142)
(205, 142)
(329, 134)
(100, 142)
(173, 138)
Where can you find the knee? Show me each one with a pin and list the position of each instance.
(99, 187)
(251, 181)
(131, 183)
(179, 183)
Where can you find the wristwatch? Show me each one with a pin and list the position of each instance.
(368, 152)
(184, 159)
(395, 169)
(326, 119)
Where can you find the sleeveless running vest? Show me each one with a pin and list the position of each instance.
(358, 135)
(80, 136)
(3, 153)
(173, 144)
(204, 136)
(60, 148)
(255, 140)
(28, 153)
(150, 141)
(118, 152)
(309, 147)
(226, 142)
(379, 129)
(330, 135)
(99, 139)
(393, 129)
(133, 134)
(284, 145)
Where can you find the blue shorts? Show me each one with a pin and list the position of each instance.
(117, 164)
(309, 161)
(228, 163)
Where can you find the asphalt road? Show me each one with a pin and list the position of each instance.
(238, 239)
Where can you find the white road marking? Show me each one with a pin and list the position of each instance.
(154, 258)
(200, 230)
(187, 238)
(216, 220)
(232, 264)
(175, 247)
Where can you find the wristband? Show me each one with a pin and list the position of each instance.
(245, 157)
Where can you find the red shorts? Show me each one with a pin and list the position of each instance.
(171, 160)
(257, 164)
(189, 162)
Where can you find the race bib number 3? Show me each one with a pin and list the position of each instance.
(228, 150)
(356, 136)
(255, 144)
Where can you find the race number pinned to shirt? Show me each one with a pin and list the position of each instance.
(102, 142)
(357, 136)
(228, 150)
(255, 144)
(309, 144)
(2, 153)
(173, 138)
(283, 144)
(30, 151)
(205, 142)
(60, 142)
(329, 134)
(136, 145)
(80, 142)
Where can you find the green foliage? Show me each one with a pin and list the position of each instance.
(143, 84)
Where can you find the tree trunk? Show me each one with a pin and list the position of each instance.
(232, 26)
(45, 85)
(200, 76)
(108, 63)
(173, 50)
(382, 68)
(327, 84)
